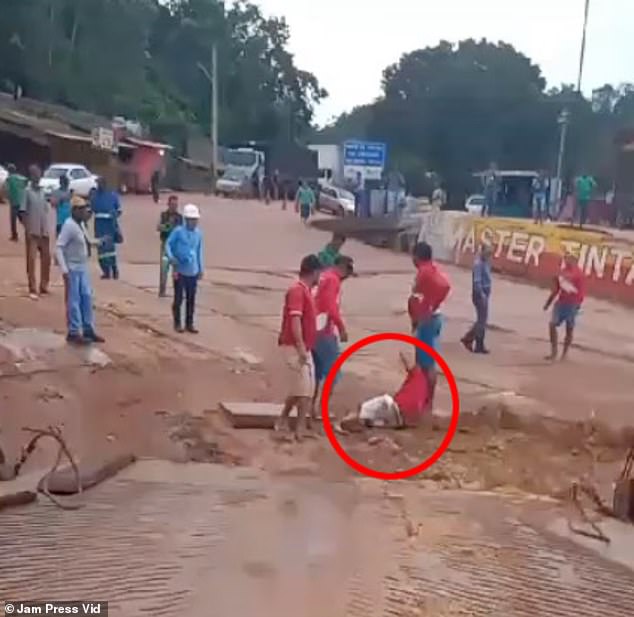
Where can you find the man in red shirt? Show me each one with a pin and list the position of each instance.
(297, 340)
(330, 326)
(568, 294)
(403, 410)
(431, 288)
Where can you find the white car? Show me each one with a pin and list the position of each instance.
(474, 204)
(336, 201)
(233, 183)
(81, 180)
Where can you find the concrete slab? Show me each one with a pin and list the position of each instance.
(253, 415)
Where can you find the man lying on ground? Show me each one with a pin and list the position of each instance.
(403, 410)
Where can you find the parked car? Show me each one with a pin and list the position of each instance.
(474, 204)
(82, 181)
(233, 183)
(336, 201)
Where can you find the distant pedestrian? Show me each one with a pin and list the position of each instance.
(106, 207)
(60, 201)
(480, 295)
(328, 255)
(568, 295)
(35, 213)
(276, 185)
(185, 251)
(431, 288)
(305, 201)
(72, 252)
(491, 185)
(585, 185)
(169, 220)
(331, 328)
(14, 187)
(540, 198)
(155, 185)
(297, 340)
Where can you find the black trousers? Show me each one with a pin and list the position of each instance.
(13, 214)
(184, 287)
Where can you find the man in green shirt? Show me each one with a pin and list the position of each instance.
(328, 256)
(14, 187)
(305, 201)
(584, 188)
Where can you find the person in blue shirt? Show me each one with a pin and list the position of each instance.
(481, 293)
(184, 250)
(60, 200)
(106, 209)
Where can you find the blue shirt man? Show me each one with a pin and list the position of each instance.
(480, 295)
(106, 208)
(184, 249)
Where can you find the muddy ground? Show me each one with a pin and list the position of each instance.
(526, 425)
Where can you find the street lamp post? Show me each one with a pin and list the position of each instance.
(564, 117)
(213, 107)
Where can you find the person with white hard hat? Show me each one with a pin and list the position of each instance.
(184, 249)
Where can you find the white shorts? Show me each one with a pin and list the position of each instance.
(300, 377)
(381, 411)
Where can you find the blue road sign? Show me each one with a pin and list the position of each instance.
(364, 153)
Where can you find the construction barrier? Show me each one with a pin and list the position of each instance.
(534, 252)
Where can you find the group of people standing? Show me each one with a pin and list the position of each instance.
(30, 205)
(313, 327)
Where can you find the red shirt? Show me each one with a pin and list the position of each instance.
(413, 396)
(571, 285)
(299, 302)
(431, 289)
(328, 300)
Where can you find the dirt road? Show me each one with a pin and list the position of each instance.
(156, 393)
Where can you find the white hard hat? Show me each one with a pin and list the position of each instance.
(191, 211)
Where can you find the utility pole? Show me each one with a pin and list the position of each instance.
(212, 78)
(214, 111)
(564, 118)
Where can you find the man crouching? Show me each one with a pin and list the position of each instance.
(403, 410)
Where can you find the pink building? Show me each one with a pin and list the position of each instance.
(139, 160)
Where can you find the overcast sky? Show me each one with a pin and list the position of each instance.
(348, 43)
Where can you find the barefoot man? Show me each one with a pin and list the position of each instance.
(568, 294)
(297, 340)
(430, 290)
(330, 325)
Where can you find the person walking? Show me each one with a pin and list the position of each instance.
(60, 201)
(480, 295)
(73, 258)
(107, 210)
(297, 338)
(305, 201)
(431, 288)
(331, 328)
(540, 198)
(14, 186)
(585, 186)
(184, 249)
(568, 294)
(491, 182)
(155, 185)
(170, 219)
(35, 214)
(328, 255)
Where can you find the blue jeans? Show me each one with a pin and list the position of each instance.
(80, 315)
(428, 332)
(325, 355)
